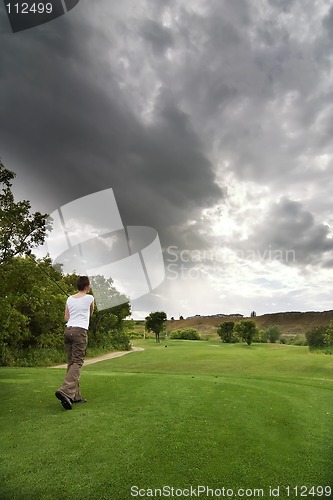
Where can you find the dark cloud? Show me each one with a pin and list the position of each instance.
(282, 5)
(328, 23)
(158, 36)
(288, 226)
(165, 102)
(66, 119)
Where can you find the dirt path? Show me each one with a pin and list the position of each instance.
(110, 355)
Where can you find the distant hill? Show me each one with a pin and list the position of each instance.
(291, 323)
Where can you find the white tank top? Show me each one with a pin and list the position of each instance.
(79, 311)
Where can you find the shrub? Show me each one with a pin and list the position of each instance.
(273, 333)
(316, 337)
(246, 330)
(298, 340)
(149, 336)
(260, 336)
(32, 356)
(328, 336)
(136, 335)
(226, 332)
(119, 340)
(6, 356)
(185, 334)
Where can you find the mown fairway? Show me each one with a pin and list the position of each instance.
(192, 413)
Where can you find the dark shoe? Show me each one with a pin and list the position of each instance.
(65, 400)
(82, 400)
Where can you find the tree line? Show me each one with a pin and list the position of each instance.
(243, 331)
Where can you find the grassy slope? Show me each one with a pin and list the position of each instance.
(191, 413)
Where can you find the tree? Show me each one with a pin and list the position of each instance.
(107, 323)
(273, 333)
(261, 336)
(316, 336)
(246, 330)
(328, 337)
(19, 229)
(156, 322)
(32, 310)
(31, 305)
(225, 331)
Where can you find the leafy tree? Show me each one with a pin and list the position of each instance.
(246, 330)
(316, 337)
(226, 331)
(31, 305)
(156, 322)
(19, 229)
(32, 310)
(107, 323)
(328, 337)
(273, 334)
(261, 336)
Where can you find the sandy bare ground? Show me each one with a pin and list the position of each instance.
(110, 355)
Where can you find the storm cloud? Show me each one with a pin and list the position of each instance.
(212, 122)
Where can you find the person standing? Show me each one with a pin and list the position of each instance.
(78, 309)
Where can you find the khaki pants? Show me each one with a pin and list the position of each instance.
(76, 340)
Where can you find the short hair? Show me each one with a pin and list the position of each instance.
(82, 282)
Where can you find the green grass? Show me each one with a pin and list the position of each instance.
(194, 413)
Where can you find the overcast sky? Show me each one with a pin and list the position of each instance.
(213, 123)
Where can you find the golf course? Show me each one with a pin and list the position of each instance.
(244, 421)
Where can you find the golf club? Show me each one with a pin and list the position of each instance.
(28, 253)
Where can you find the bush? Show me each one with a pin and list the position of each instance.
(150, 336)
(114, 340)
(246, 330)
(136, 335)
(328, 337)
(185, 334)
(226, 332)
(260, 337)
(298, 340)
(120, 340)
(316, 337)
(32, 356)
(7, 357)
(273, 334)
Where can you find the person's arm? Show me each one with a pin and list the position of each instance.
(66, 316)
(92, 307)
